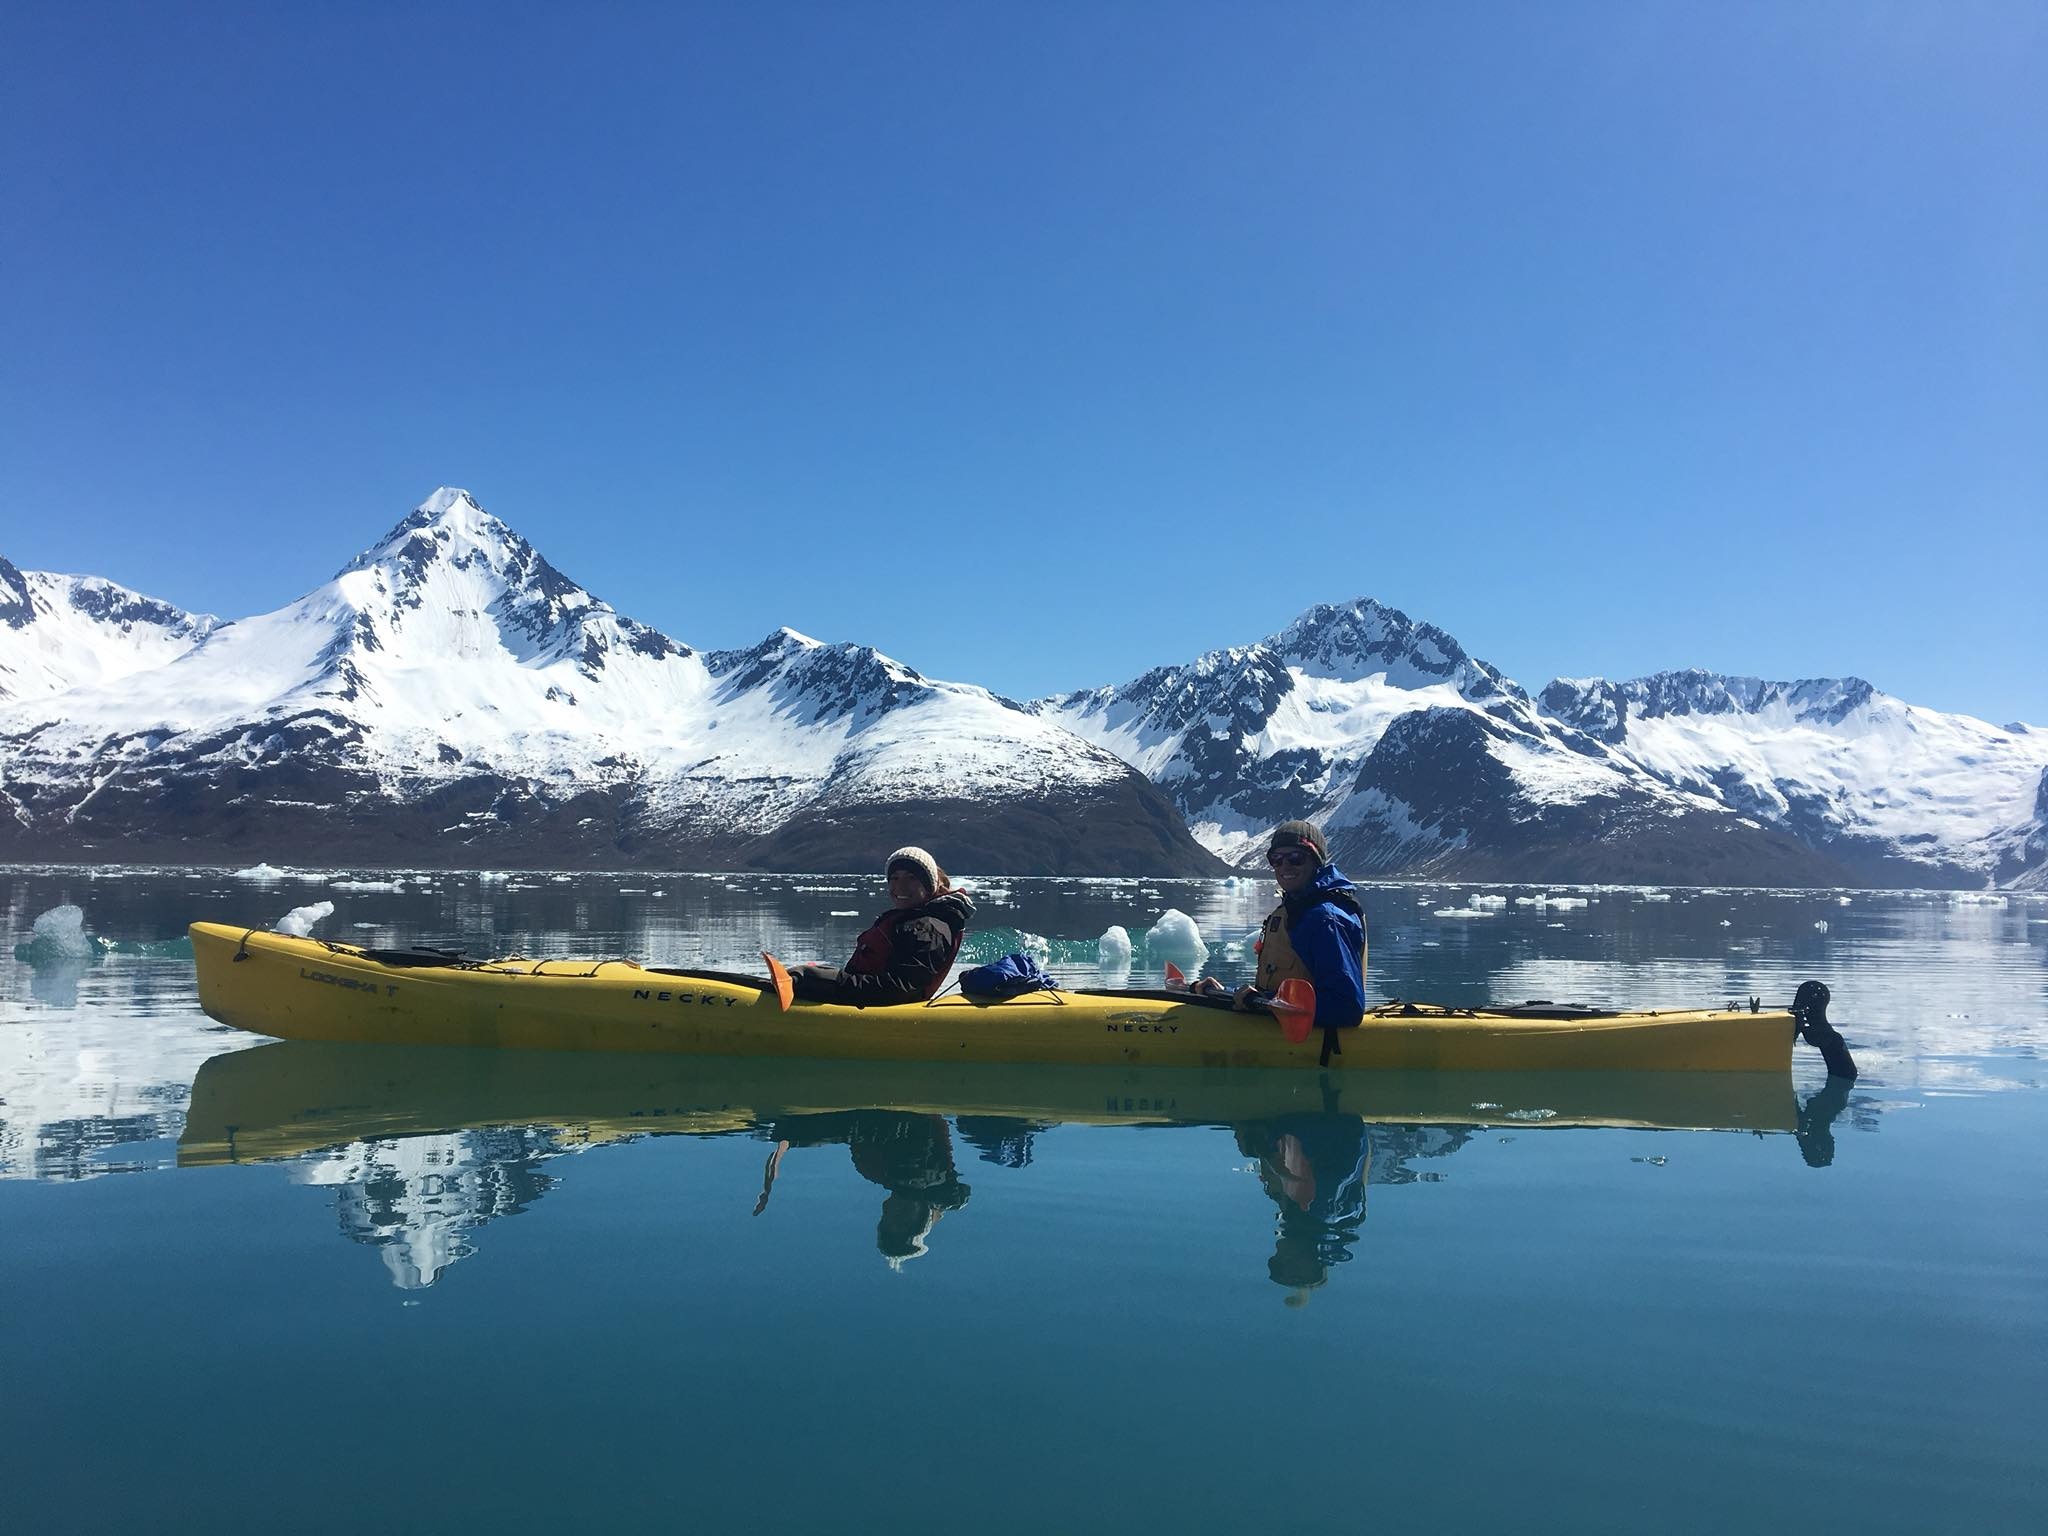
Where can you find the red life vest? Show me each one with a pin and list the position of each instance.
(873, 950)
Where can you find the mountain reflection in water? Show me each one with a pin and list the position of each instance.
(423, 1146)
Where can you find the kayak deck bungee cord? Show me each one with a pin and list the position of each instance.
(311, 989)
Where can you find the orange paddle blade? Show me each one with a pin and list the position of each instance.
(1294, 1005)
(785, 989)
(1175, 974)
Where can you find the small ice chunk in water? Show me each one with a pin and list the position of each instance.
(300, 920)
(1113, 949)
(265, 874)
(59, 934)
(1175, 937)
(1488, 903)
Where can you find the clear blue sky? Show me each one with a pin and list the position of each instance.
(1037, 344)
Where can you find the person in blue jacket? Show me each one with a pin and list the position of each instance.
(1317, 933)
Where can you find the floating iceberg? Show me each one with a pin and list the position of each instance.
(300, 920)
(1113, 949)
(57, 936)
(1175, 937)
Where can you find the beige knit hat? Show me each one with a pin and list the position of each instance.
(919, 860)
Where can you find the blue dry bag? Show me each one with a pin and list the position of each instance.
(1006, 978)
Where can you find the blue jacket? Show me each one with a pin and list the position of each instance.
(1326, 926)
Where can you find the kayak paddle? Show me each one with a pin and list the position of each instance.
(1293, 1003)
(785, 989)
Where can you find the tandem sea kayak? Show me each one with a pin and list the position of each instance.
(310, 989)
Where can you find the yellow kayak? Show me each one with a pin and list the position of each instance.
(298, 1096)
(310, 989)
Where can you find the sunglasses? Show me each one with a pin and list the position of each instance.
(1289, 858)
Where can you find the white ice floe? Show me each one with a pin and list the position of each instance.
(1175, 937)
(1488, 903)
(1462, 912)
(59, 934)
(264, 873)
(366, 885)
(1113, 949)
(300, 920)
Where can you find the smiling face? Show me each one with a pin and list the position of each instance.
(906, 887)
(1293, 868)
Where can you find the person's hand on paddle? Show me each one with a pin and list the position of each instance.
(1241, 999)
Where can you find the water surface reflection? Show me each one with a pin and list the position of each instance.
(424, 1145)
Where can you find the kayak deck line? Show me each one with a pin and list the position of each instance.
(308, 989)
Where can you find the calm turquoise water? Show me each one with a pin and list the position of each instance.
(414, 1291)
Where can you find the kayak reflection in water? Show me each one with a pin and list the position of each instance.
(905, 955)
(909, 1155)
(1314, 1166)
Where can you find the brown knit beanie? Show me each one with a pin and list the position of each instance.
(1300, 834)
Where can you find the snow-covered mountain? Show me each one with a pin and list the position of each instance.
(1417, 758)
(59, 632)
(1899, 794)
(451, 697)
(1420, 758)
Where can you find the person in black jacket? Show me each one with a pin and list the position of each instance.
(905, 956)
